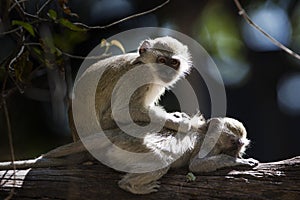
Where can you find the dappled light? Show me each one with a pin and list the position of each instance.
(274, 20)
(220, 36)
(261, 80)
(288, 94)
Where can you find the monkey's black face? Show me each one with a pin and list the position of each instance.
(170, 62)
(169, 59)
(165, 67)
(232, 144)
(234, 148)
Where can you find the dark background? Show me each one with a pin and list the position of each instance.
(262, 82)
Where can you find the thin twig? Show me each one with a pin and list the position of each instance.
(9, 93)
(21, 9)
(19, 6)
(123, 19)
(10, 31)
(14, 4)
(20, 27)
(9, 132)
(243, 13)
(11, 147)
(84, 25)
(43, 6)
(102, 56)
(19, 53)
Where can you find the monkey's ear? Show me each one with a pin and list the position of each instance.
(144, 46)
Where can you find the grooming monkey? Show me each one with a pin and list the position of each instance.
(133, 83)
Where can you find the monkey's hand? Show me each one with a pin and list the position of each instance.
(196, 123)
(251, 162)
(178, 121)
(213, 163)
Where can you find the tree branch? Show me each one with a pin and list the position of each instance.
(243, 13)
(92, 180)
(124, 19)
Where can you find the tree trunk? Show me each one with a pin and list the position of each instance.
(92, 180)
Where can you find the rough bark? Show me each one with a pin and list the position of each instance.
(92, 180)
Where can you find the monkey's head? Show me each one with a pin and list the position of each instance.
(168, 57)
(233, 138)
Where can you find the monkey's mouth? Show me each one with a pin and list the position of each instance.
(234, 152)
(166, 74)
(235, 149)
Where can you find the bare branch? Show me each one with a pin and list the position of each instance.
(20, 27)
(78, 23)
(272, 39)
(14, 4)
(87, 57)
(11, 147)
(124, 19)
(102, 56)
(43, 6)
(9, 133)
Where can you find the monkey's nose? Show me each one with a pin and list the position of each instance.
(237, 143)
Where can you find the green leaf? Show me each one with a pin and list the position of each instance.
(58, 52)
(190, 177)
(37, 53)
(52, 14)
(25, 25)
(70, 25)
(48, 45)
(68, 39)
(23, 67)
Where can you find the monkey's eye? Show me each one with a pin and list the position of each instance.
(174, 62)
(162, 60)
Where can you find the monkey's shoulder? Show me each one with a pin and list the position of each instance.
(114, 63)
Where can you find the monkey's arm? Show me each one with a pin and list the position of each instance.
(177, 121)
(144, 183)
(213, 163)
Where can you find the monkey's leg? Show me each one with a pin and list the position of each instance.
(143, 183)
(212, 163)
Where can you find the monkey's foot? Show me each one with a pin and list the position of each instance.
(140, 189)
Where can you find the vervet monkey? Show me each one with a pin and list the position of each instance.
(229, 144)
(157, 66)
